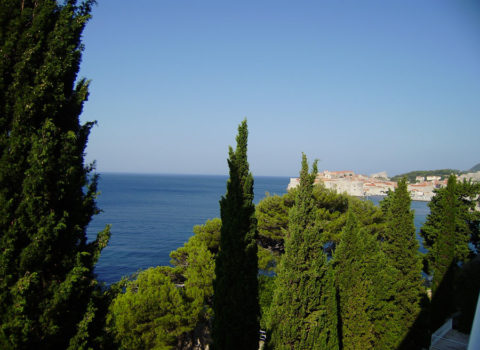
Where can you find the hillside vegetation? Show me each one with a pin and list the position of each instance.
(443, 173)
(475, 168)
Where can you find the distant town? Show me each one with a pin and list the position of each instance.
(379, 184)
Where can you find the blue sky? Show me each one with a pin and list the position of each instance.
(360, 85)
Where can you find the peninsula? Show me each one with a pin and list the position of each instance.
(379, 184)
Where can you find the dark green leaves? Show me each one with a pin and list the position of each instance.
(236, 320)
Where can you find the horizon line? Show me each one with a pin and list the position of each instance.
(174, 173)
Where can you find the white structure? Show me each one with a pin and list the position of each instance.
(351, 183)
(361, 185)
(475, 177)
(474, 342)
(380, 175)
(294, 182)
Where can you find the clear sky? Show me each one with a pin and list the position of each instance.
(360, 85)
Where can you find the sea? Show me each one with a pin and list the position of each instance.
(152, 215)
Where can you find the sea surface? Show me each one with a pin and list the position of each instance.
(151, 215)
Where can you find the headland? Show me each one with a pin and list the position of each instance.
(379, 184)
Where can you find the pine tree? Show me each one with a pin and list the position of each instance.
(151, 314)
(236, 306)
(47, 194)
(401, 249)
(304, 310)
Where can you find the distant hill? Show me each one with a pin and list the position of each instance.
(475, 168)
(443, 173)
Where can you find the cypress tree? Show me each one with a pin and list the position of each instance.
(444, 246)
(466, 224)
(401, 249)
(47, 195)
(353, 288)
(443, 258)
(304, 310)
(364, 289)
(451, 235)
(236, 306)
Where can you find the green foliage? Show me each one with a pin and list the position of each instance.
(97, 334)
(466, 220)
(443, 173)
(272, 216)
(303, 314)
(451, 233)
(444, 247)
(207, 234)
(364, 289)
(443, 253)
(329, 199)
(194, 266)
(331, 209)
(334, 217)
(151, 314)
(353, 289)
(47, 195)
(236, 321)
(267, 260)
(186, 291)
(199, 276)
(266, 287)
(400, 246)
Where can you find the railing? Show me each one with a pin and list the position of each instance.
(474, 343)
(439, 333)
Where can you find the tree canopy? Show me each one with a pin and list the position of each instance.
(303, 313)
(47, 193)
(236, 307)
(151, 314)
(400, 246)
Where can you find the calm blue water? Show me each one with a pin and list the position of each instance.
(151, 215)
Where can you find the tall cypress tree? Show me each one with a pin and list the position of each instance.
(444, 246)
(353, 289)
(467, 219)
(304, 311)
(364, 281)
(47, 197)
(443, 260)
(236, 308)
(451, 234)
(401, 249)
